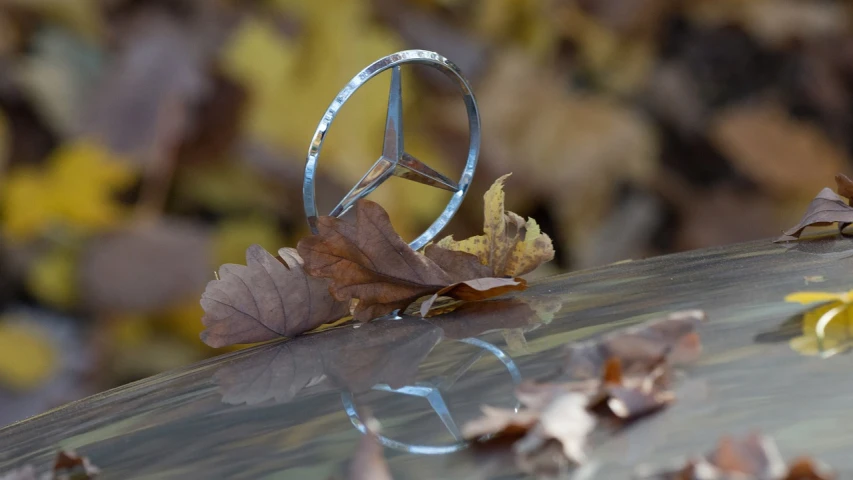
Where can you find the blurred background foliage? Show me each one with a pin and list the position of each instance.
(145, 142)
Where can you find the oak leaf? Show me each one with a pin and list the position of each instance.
(509, 245)
(369, 262)
(267, 298)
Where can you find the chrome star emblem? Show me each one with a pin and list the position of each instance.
(432, 391)
(394, 160)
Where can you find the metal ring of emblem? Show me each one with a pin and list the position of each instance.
(349, 407)
(394, 60)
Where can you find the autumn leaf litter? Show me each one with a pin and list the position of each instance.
(367, 270)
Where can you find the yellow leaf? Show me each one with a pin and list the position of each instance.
(509, 245)
(813, 297)
(834, 336)
(52, 280)
(75, 189)
(828, 328)
(27, 356)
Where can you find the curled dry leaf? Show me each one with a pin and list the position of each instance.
(827, 208)
(754, 457)
(845, 186)
(369, 262)
(672, 337)
(267, 298)
(69, 465)
(509, 245)
(566, 413)
(475, 290)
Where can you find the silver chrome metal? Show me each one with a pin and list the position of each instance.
(394, 160)
(432, 391)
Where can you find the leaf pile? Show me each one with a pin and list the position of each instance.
(827, 208)
(552, 431)
(370, 263)
(67, 466)
(754, 457)
(366, 269)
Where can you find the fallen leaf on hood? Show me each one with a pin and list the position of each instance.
(69, 465)
(509, 245)
(672, 337)
(267, 298)
(369, 262)
(754, 457)
(565, 414)
(369, 462)
(845, 186)
(566, 420)
(476, 290)
(827, 208)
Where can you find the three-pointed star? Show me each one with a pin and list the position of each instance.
(432, 391)
(394, 160)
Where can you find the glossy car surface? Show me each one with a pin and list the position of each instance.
(290, 409)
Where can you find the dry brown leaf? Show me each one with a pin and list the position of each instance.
(509, 245)
(500, 422)
(754, 457)
(460, 265)
(640, 347)
(369, 262)
(267, 298)
(845, 186)
(476, 290)
(827, 208)
(784, 156)
(69, 465)
(564, 414)
(566, 420)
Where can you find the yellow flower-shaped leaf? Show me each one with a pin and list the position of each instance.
(828, 328)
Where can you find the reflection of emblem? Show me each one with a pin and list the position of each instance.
(394, 160)
(432, 391)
